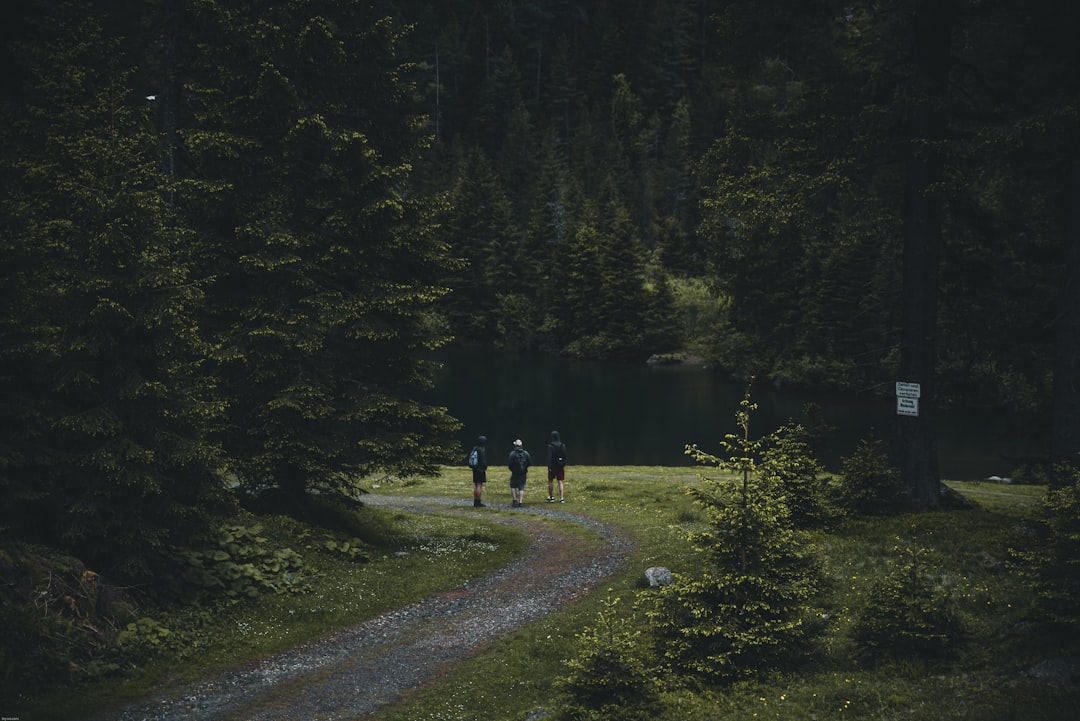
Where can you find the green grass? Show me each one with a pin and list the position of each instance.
(513, 678)
(419, 555)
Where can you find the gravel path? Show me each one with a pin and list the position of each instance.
(356, 671)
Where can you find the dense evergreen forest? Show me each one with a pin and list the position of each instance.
(731, 179)
(234, 232)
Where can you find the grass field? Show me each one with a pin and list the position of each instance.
(514, 678)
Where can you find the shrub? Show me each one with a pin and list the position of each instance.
(800, 476)
(906, 613)
(868, 483)
(610, 679)
(58, 619)
(1050, 555)
(241, 563)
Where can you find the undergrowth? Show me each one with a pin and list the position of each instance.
(335, 579)
(968, 552)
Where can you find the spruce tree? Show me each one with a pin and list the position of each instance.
(326, 270)
(747, 609)
(108, 403)
(479, 226)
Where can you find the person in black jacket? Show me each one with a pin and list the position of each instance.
(479, 471)
(519, 462)
(556, 461)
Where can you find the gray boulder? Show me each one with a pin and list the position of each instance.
(658, 576)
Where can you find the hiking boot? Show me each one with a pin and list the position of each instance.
(478, 504)
(550, 499)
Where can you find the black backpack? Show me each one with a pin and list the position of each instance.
(517, 462)
(558, 455)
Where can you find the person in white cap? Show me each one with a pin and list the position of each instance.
(519, 470)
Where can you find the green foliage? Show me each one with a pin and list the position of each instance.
(610, 679)
(701, 314)
(868, 483)
(143, 639)
(230, 278)
(799, 476)
(111, 453)
(352, 549)
(326, 268)
(908, 613)
(241, 563)
(748, 608)
(1048, 555)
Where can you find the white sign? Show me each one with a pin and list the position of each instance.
(907, 406)
(908, 390)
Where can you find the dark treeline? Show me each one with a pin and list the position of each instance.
(728, 178)
(232, 232)
(214, 275)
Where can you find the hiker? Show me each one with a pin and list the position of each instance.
(556, 462)
(478, 464)
(519, 469)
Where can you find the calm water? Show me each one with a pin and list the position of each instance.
(634, 414)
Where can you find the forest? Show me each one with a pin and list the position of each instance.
(235, 233)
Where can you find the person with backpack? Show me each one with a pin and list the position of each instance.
(519, 470)
(478, 464)
(556, 462)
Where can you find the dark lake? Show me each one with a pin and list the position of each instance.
(636, 414)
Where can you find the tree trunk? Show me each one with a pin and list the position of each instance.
(1065, 437)
(917, 435)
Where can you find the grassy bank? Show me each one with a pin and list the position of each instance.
(982, 680)
(513, 679)
(407, 557)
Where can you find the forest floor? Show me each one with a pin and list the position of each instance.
(356, 671)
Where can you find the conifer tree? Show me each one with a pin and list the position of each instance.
(747, 608)
(109, 405)
(479, 226)
(1048, 555)
(576, 316)
(326, 270)
(622, 302)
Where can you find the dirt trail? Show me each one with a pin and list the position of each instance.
(358, 670)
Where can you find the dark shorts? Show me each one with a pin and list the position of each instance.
(557, 474)
(517, 481)
(479, 476)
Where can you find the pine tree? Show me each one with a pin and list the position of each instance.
(747, 609)
(479, 227)
(326, 271)
(110, 406)
(610, 678)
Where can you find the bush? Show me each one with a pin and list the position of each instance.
(609, 680)
(868, 484)
(241, 563)
(1050, 555)
(800, 476)
(59, 620)
(906, 614)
